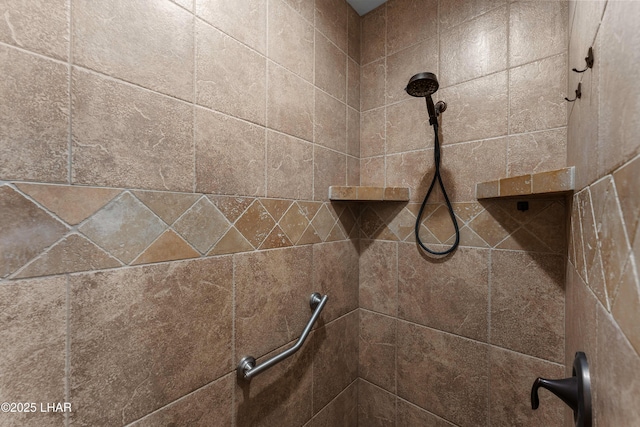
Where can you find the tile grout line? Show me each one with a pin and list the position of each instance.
(195, 97)
(67, 382)
(70, 90)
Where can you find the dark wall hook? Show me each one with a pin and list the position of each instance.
(578, 94)
(589, 60)
(574, 391)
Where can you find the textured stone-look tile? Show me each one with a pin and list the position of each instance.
(376, 407)
(73, 253)
(32, 330)
(373, 35)
(372, 171)
(409, 22)
(304, 8)
(612, 241)
(280, 395)
(290, 101)
(527, 314)
(209, 406)
(142, 337)
(231, 207)
(230, 76)
(125, 227)
(627, 182)
(202, 225)
(455, 12)
(230, 155)
(450, 295)
(329, 168)
(536, 30)
(413, 170)
(276, 207)
(465, 164)
(403, 224)
(71, 203)
(168, 247)
(255, 224)
(402, 65)
(25, 230)
(291, 40)
(536, 152)
(128, 137)
(353, 132)
(168, 206)
(493, 225)
(536, 93)
(43, 28)
(372, 85)
(294, 223)
(342, 411)
(550, 227)
(353, 84)
(372, 132)
(288, 157)
(187, 4)
(407, 126)
(475, 48)
(377, 350)
(354, 28)
(511, 375)
(232, 242)
(330, 68)
(626, 306)
(523, 240)
(335, 363)
(477, 109)
(619, 96)
(487, 190)
(379, 276)
(615, 368)
(335, 273)
(276, 239)
(272, 298)
(444, 374)
(410, 415)
(331, 19)
(353, 170)
(330, 125)
(35, 116)
(245, 21)
(145, 42)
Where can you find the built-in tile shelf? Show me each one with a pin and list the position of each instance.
(368, 193)
(543, 183)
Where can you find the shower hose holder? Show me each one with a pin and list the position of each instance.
(574, 391)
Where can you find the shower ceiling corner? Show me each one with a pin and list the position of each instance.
(365, 6)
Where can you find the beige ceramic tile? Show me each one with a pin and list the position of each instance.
(294, 223)
(527, 315)
(410, 415)
(323, 222)
(378, 276)
(487, 189)
(289, 157)
(230, 76)
(343, 410)
(627, 182)
(291, 41)
(536, 152)
(377, 350)
(373, 35)
(124, 228)
(372, 171)
(73, 253)
(168, 247)
(493, 225)
(304, 8)
(409, 22)
(26, 230)
(536, 95)
(276, 239)
(168, 206)
(553, 181)
(376, 407)
(33, 335)
(231, 207)
(455, 12)
(331, 19)
(187, 4)
(207, 406)
(148, 43)
(291, 103)
(402, 65)
(330, 124)
(124, 136)
(245, 21)
(413, 170)
(43, 28)
(536, 30)
(372, 85)
(626, 306)
(452, 296)
(71, 203)
(477, 109)
(231, 242)
(354, 24)
(330, 67)
(353, 84)
(372, 132)
(518, 185)
(230, 155)
(353, 133)
(34, 138)
(329, 168)
(407, 126)
(475, 48)
(128, 346)
(335, 273)
(255, 224)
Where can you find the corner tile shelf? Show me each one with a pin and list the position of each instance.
(369, 194)
(554, 182)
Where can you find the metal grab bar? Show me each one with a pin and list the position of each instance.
(247, 368)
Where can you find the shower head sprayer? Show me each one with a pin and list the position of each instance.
(425, 85)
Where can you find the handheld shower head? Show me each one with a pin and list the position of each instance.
(425, 85)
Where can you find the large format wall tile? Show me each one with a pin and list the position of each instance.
(331, 19)
(142, 337)
(129, 137)
(373, 35)
(329, 168)
(32, 363)
(407, 126)
(146, 42)
(330, 127)
(410, 415)
(378, 276)
(289, 157)
(536, 152)
(335, 273)
(454, 12)
(376, 407)
(290, 101)
(342, 411)
(402, 65)
(330, 68)
(34, 112)
(377, 350)
(372, 85)
(409, 22)
(291, 42)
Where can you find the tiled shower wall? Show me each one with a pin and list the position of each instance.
(164, 171)
(459, 341)
(603, 296)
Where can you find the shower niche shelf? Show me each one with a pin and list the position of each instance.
(555, 182)
(368, 194)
